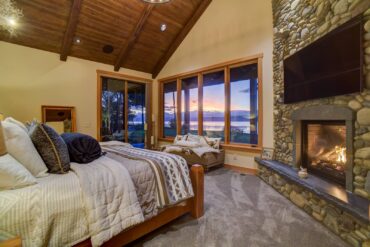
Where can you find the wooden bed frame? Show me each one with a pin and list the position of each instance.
(194, 206)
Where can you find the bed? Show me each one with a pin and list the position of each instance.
(111, 201)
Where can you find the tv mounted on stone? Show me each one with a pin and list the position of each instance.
(330, 66)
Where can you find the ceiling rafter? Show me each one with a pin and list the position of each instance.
(71, 29)
(180, 37)
(127, 46)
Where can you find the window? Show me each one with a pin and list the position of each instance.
(214, 105)
(122, 110)
(220, 101)
(189, 105)
(170, 109)
(244, 104)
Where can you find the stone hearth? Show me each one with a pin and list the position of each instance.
(344, 213)
(298, 23)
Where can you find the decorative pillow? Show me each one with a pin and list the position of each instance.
(14, 175)
(193, 138)
(20, 146)
(16, 122)
(82, 148)
(214, 142)
(189, 144)
(51, 147)
(179, 138)
(2, 142)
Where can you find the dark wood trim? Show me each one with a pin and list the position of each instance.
(260, 103)
(129, 44)
(126, 111)
(194, 206)
(178, 108)
(71, 29)
(52, 107)
(121, 76)
(245, 170)
(180, 37)
(160, 110)
(227, 103)
(200, 104)
(149, 120)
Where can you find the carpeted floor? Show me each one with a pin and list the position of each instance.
(241, 210)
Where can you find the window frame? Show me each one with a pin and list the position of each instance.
(226, 66)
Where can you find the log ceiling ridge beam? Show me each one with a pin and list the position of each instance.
(180, 37)
(71, 29)
(128, 45)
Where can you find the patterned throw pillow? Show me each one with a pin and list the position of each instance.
(51, 147)
(214, 142)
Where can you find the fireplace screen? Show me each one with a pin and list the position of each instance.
(324, 149)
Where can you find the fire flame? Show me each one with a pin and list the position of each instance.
(341, 154)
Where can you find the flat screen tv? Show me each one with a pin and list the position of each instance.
(330, 66)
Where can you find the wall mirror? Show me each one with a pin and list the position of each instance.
(61, 118)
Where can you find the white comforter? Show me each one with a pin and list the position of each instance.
(110, 197)
(96, 200)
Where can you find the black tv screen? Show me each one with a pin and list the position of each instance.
(330, 66)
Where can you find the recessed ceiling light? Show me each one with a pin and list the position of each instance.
(11, 22)
(163, 27)
(108, 49)
(77, 41)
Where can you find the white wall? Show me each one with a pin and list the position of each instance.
(230, 29)
(30, 78)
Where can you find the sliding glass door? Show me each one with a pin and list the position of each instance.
(136, 114)
(123, 111)
(112, 110)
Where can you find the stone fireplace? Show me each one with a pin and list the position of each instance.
(323, 142)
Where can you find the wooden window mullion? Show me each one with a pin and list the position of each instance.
(178, 113)
(200, 104)
(227, 104)
(126, 111)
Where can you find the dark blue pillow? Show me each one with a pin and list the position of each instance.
(82, 148)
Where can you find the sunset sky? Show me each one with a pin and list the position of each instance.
(214, 98)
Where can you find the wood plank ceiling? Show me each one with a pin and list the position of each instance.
(130, 27)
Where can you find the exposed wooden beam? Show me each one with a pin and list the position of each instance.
(180, 37)
(71, 29)
(133, 37)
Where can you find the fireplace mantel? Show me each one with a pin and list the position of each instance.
(324, 113)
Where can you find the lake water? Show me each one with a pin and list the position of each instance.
(217, 126)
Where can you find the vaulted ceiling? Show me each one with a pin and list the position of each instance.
(130, 27)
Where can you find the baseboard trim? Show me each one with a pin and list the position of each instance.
(246, 170)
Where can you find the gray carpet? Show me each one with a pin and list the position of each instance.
(241, 210)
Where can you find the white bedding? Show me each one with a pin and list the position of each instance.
(50, 213)
(110, 197)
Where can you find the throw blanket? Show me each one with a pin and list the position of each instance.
(171, 172)
(199, 150)
(111, 204)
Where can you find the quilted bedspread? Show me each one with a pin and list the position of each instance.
(144, 181)
(110, 198)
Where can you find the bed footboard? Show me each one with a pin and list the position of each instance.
(194, 206)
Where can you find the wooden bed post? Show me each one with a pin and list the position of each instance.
(197, 178)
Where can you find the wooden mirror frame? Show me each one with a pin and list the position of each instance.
(72, 109)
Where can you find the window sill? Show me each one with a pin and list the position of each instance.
(241, 147)
(162, 139)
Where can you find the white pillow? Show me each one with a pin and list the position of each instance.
(18, 123)
(189, 144)
(13, 175)
(20, 146)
